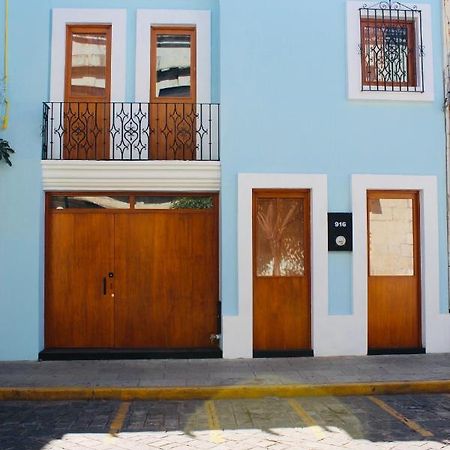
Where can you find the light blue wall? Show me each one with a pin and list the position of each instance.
(284, 108)
(21, 199)
(299, 122)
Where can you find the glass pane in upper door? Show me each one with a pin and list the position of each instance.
(173, 65)
(62, 202)
(173, 202)
(89, 61)
(280, 244)
(391, 236)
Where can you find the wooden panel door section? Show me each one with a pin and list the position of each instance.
(173, 93)
(281, 270)
(394, 302)
(79, 309)
(87, 92)
(132, 271)
(166, 278)
(139, 320)
(190, 287)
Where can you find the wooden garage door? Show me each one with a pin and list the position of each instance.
(131, 271)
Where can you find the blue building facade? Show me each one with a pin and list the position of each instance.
(325, 107)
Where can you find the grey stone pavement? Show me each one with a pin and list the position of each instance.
(221, 372)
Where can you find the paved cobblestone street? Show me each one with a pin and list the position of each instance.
(388, 422)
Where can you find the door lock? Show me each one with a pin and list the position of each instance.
(214, 337)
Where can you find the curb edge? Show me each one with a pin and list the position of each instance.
(223, 392)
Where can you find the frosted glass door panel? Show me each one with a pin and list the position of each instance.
(280, 243)
(391, 237)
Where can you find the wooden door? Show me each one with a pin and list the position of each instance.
(281, 271)
(139, 320)
(173, 93)
(394, 309)
(166, 274)
(132, 271)
(87, 92)
(79, 308)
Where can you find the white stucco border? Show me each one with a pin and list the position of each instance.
(201, 19)
(354, 58)
(173, 176)
(65, 16)
(435, 326)
(237, 338)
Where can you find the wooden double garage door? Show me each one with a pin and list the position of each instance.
(131, 271)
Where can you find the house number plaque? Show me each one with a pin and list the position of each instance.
(340, 234)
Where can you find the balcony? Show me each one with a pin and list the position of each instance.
(121, 131)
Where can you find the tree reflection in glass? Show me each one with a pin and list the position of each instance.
(280, 237)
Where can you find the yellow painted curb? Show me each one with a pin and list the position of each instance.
(223, 392)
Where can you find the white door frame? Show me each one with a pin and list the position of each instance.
(238, 330)
(435, 326)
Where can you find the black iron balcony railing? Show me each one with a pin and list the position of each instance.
(130, 131)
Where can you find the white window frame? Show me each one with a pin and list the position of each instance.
(201, 20)
(117, 18)
(354, 59)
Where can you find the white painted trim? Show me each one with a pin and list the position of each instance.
(201, 20)
(445, 5)
(436, 326)
(238, 330)
(354, 59)
(179, 176)
(62, 17)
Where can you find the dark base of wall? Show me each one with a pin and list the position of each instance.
(64, 354)
(395, 351)
(281, 353)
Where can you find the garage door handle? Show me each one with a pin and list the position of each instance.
(104, 285)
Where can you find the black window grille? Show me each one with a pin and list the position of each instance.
(391, 47)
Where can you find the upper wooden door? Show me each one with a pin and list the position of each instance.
(394, 309)
(281, 271)
(173, 93)
(79, 307)
(87, 92)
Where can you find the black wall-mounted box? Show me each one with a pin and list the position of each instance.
(340, 232)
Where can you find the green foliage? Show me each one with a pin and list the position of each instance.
(192, 203)
(5, 151)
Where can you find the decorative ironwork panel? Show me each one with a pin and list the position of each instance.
(130, 131)
(45, 130)
(391, 47)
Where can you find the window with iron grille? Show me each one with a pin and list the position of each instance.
(391, 47)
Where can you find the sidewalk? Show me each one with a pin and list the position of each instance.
(145, 379)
